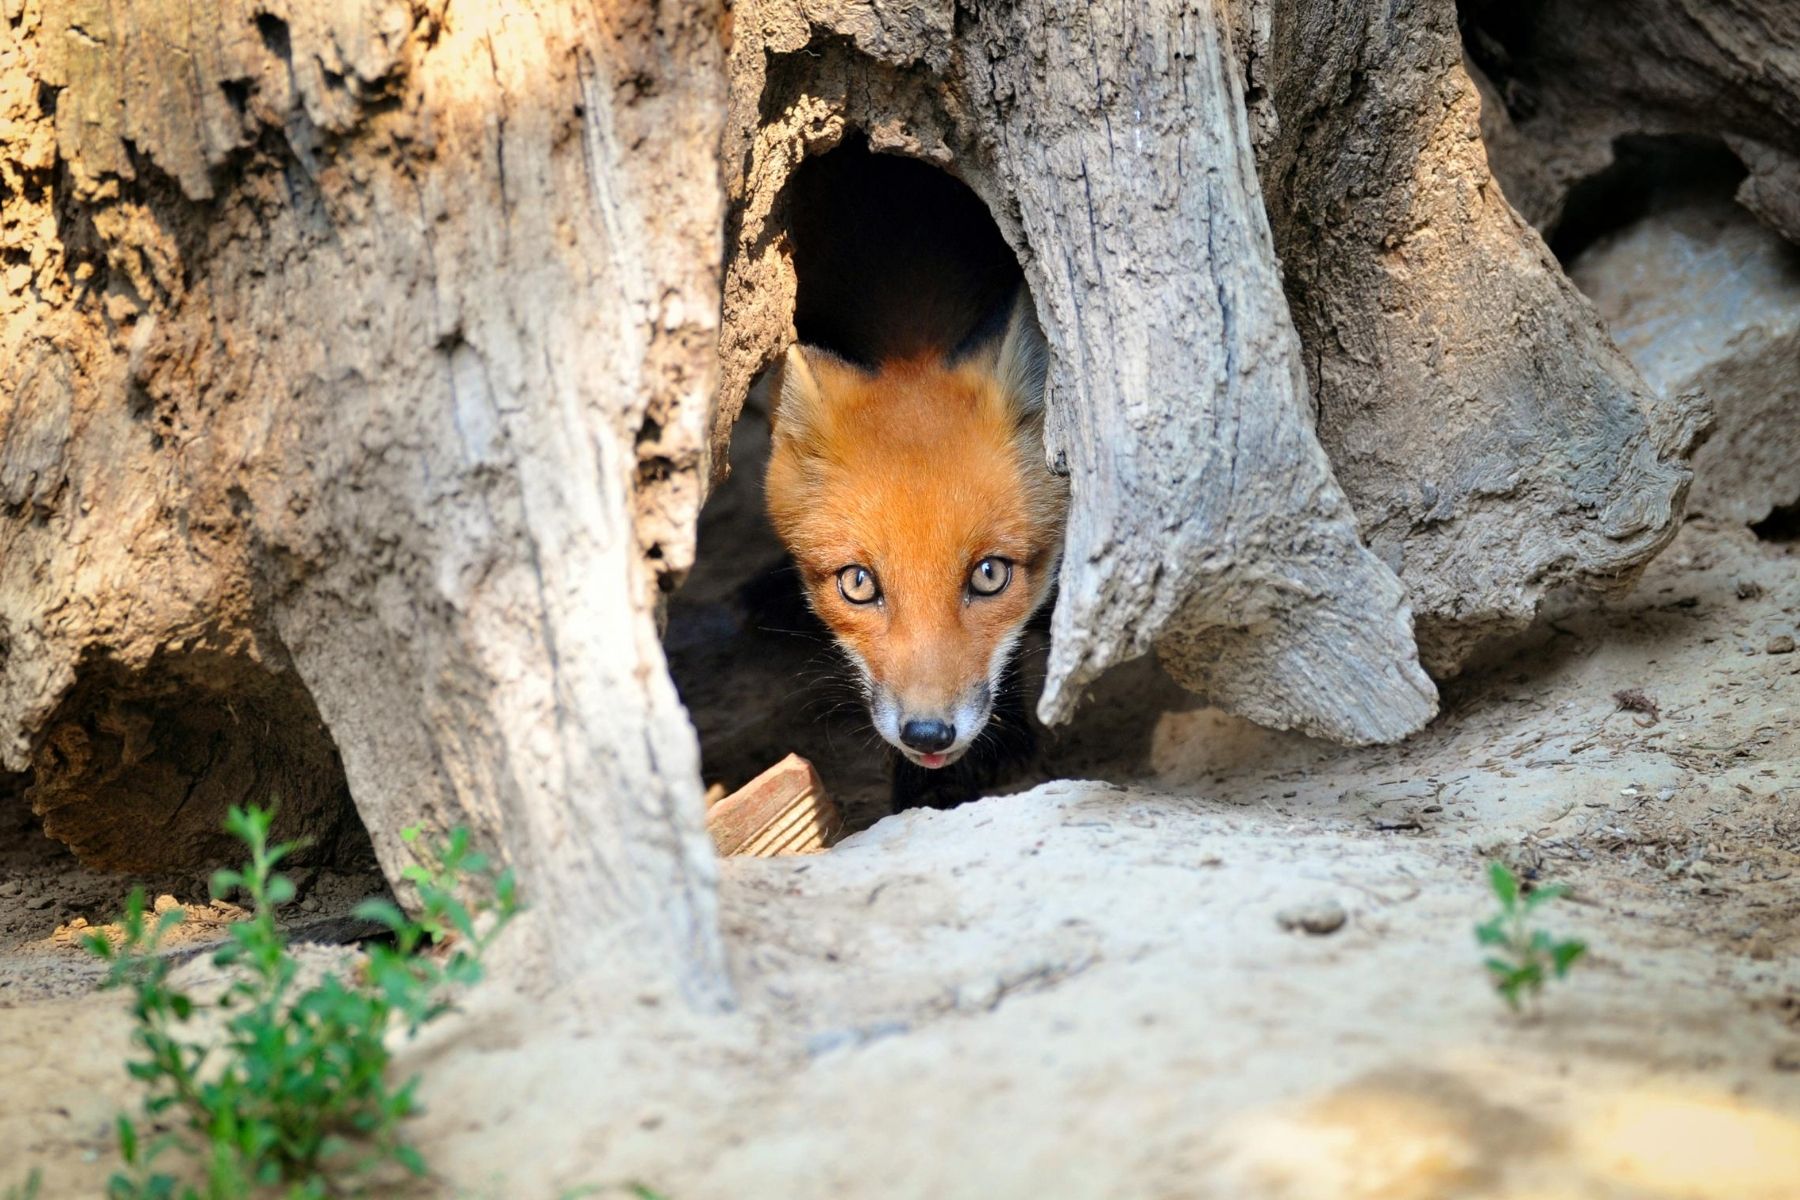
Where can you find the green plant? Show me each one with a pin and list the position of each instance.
(34, 1181)
(1523, 958)
(289, 1088)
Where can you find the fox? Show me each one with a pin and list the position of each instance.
(910, 487)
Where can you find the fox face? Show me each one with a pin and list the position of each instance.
(927, 528)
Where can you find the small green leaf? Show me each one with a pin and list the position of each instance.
(128, 1143)
(382, 911)
(1504, 883)
(1565, 955)
(410, 1158)
(1543, 895)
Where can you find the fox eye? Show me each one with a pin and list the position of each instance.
(990, 576)
(857, 585)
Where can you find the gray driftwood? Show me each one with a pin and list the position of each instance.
(354, 365)
(1110, 142)
(1676, 92)
(361, 374)
(1494, 442)
(1582, 73)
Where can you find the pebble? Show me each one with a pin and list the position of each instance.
(39, 903)
(1781, 643)
(1327, 916)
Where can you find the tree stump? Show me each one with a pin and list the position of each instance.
(359, 355)
(362, 371)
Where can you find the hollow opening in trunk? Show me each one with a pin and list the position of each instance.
(136, 768)
(1649, 173)
(1781, 525)
(870, 239)
(130, 780)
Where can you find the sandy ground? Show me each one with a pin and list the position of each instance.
(1085, 990)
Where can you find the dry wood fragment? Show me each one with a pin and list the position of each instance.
(782, 811)
(1637, 701)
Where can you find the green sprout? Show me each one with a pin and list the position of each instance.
(1523, 958)
(286, 1090)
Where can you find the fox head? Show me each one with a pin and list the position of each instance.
(917, 504)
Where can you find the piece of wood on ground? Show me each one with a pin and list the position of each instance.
(782, 811)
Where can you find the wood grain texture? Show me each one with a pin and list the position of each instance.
(1110, 142)
(1495, 444)
(370, 345)
(785, 810)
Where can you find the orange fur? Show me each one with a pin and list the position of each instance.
(917, 472)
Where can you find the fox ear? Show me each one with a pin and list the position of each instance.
(800, 401)
(1021, 358)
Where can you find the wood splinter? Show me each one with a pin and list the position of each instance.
(782, 811)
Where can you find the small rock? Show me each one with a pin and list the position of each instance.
(1760, 949)
(166, 904)
(309, 904)
(1327, 916)
(1748, 589)
(1781, 643)
(39, 903)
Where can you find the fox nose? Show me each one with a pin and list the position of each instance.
(928, 737)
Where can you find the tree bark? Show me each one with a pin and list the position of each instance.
(1110, 143)
(1577, 75)
(1576, 100)
(360, 366)
(366, 351)
(1494, 442)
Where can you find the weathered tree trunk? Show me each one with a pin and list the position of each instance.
(1494, 442)
(1110, 143)
(1602, 111)
(1573, 76)
(351, 357)
(360, 381)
